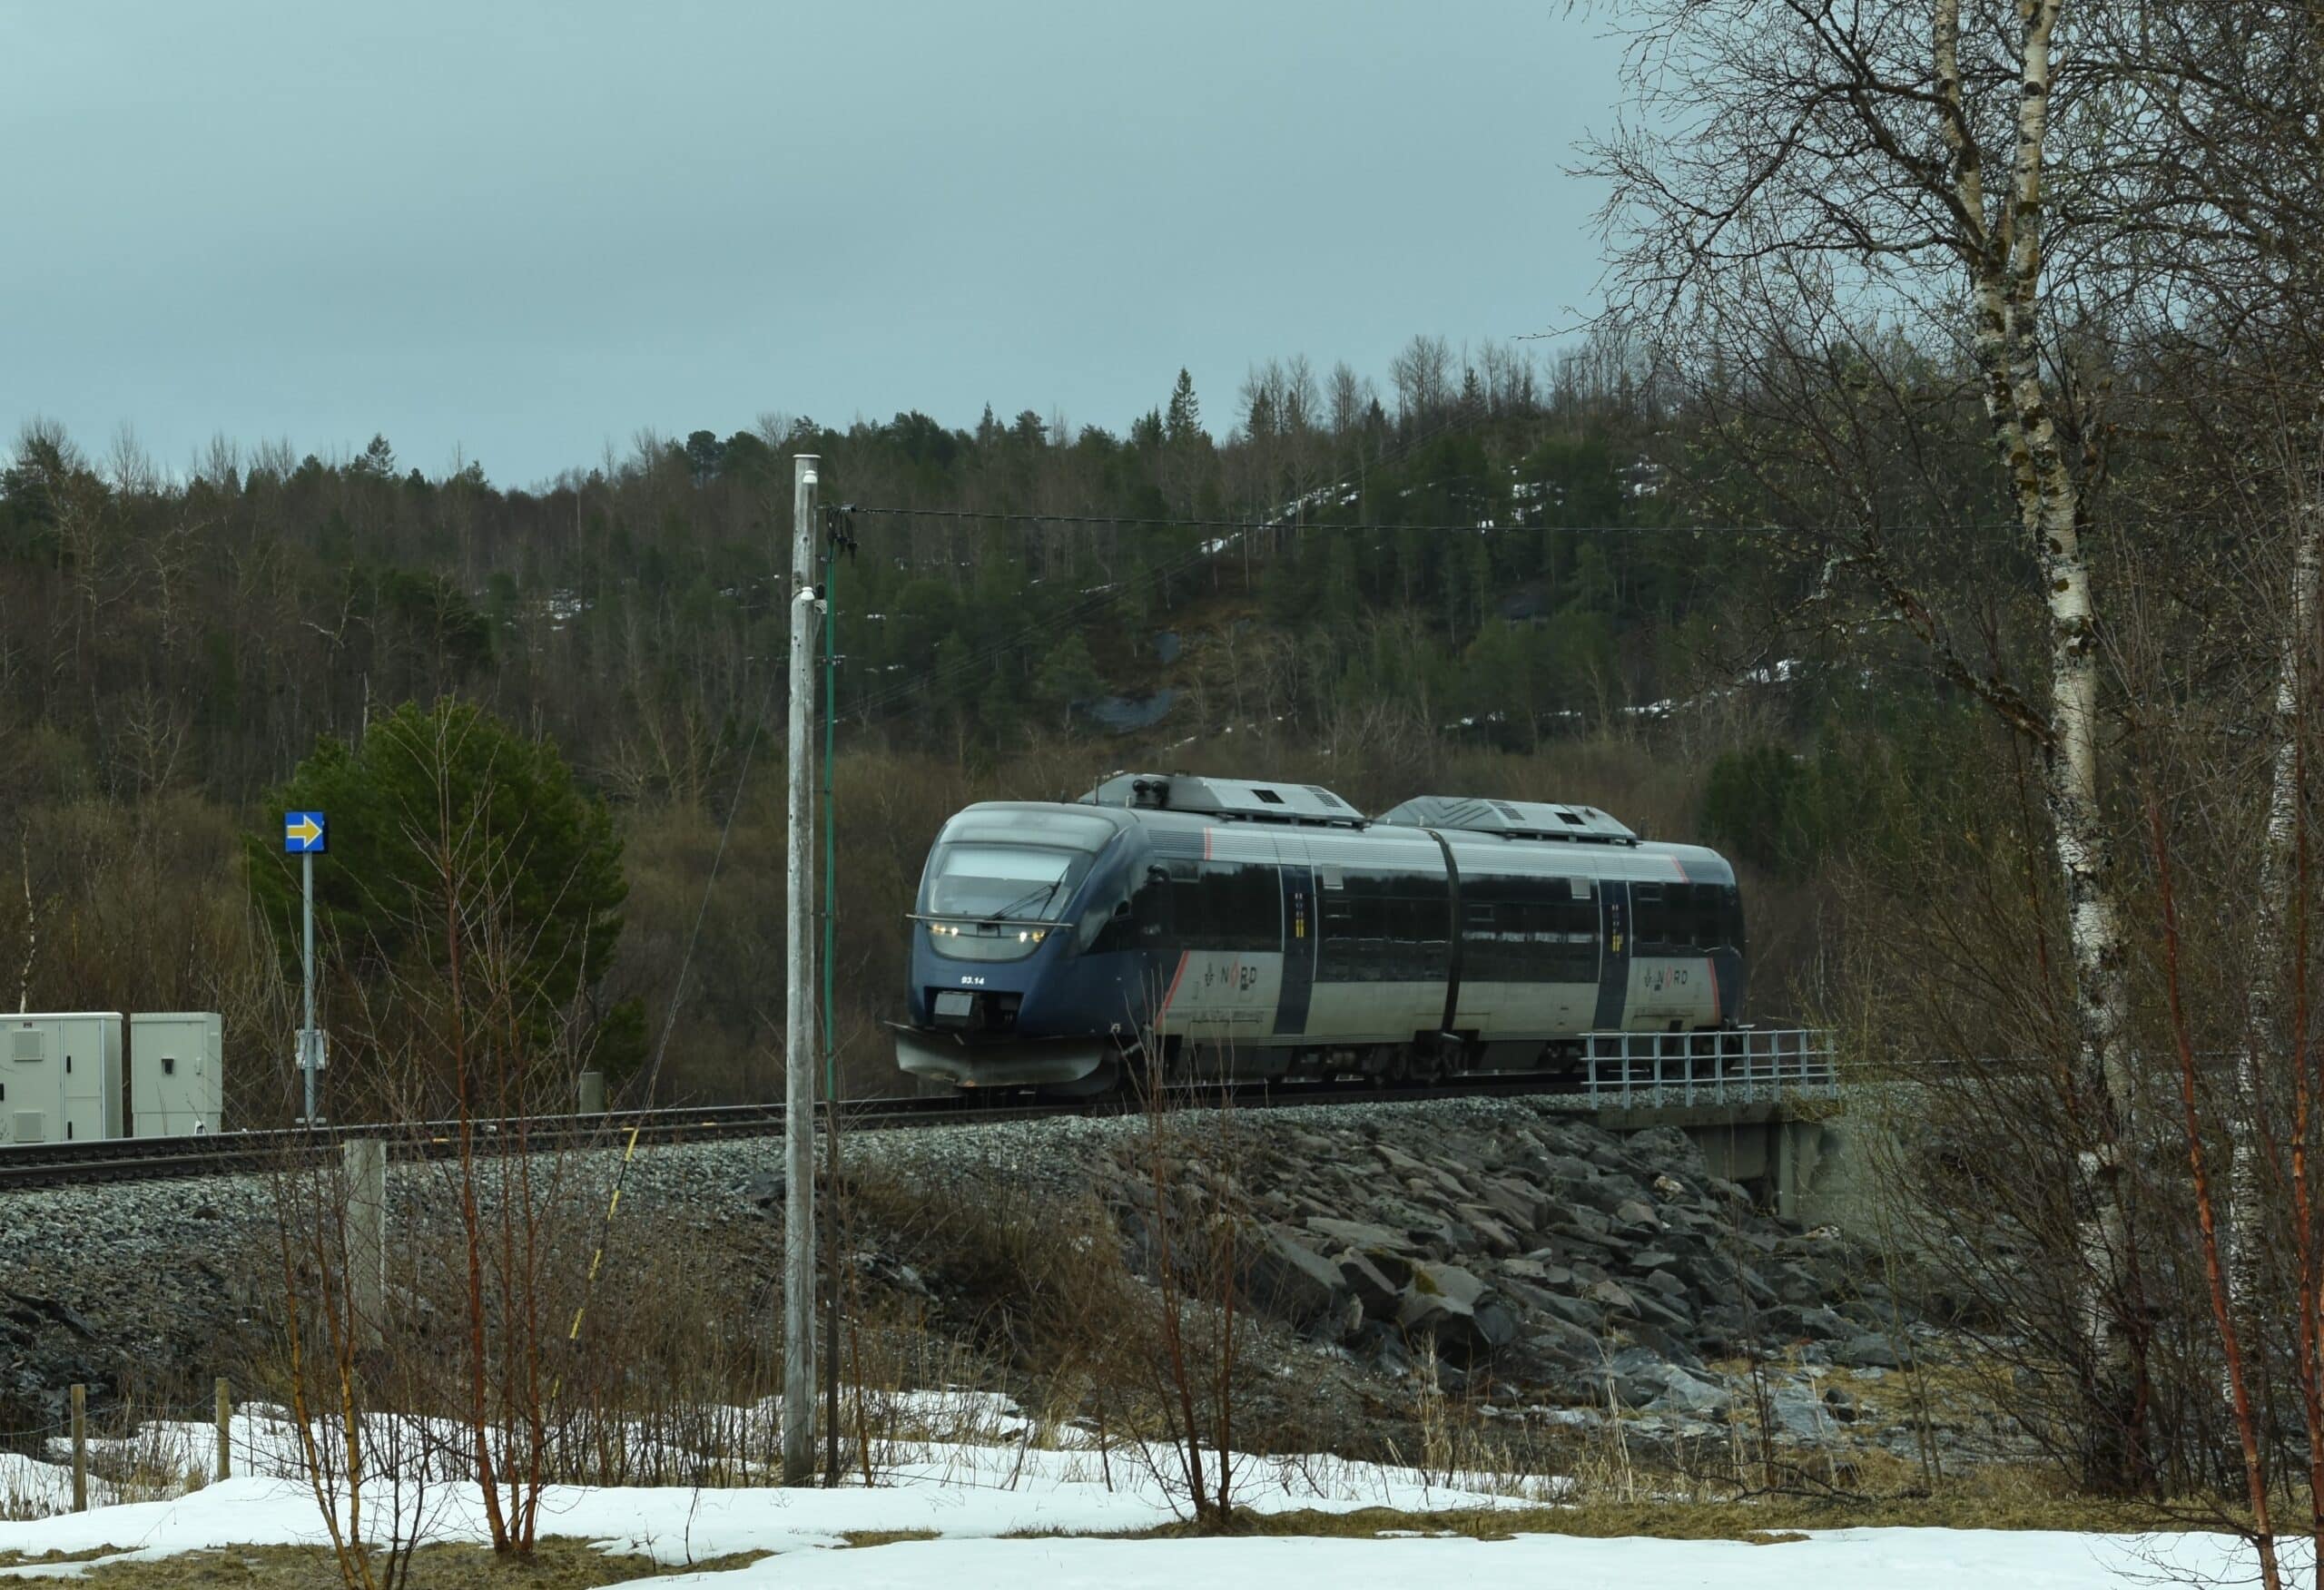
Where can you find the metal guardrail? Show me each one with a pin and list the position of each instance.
(1736, 1065)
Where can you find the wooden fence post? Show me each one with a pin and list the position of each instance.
(364, 1164)
(80, 1448)
(225, 1430)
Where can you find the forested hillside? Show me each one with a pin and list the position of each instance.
(1929, 514)
(1484, 574)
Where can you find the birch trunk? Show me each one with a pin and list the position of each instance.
(2004, 254)
(2264, 1035)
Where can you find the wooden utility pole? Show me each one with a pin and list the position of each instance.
(800, 1045)
(80, 1448)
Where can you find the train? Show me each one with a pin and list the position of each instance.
(1182, 927)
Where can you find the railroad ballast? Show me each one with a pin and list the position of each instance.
(1254, 929)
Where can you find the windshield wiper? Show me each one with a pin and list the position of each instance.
(1040, 896)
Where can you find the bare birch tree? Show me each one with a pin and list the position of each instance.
(1815, 167)
(2223, 154)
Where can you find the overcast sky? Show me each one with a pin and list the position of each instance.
(526, 231)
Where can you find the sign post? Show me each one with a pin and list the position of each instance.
(306, 835)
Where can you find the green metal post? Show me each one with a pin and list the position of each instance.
(830, 839)
(830, 1041)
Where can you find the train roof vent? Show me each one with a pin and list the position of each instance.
(1237, 799)
(1511, 820)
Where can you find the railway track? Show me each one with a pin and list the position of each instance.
(29, 1166)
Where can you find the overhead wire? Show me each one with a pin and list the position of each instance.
(670, 1016)
(1082, 606)
(1245, 527)
(872, 704)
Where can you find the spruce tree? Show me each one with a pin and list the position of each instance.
(1067, 675)
(1183, 423)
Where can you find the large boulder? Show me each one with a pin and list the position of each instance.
(1564, 1168)
(1553, 1355)
(1788, 1322)
(1602, 1195)
(1378, 1296)
(1492, 1234)
(1523, 1207)
(1665, 1145)
(1795, 1283)
(1292, 1282)
(1797, 1412)
(1465, 1318)
(45, 1348)
(1574, 1311)
(1636, 1216)
(1689, 1395)
(1867, 1351)
(1607, 1294)
(1355, 1233)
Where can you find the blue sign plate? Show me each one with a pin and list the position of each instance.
(304, 833)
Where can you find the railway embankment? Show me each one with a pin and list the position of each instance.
(1504, 1253)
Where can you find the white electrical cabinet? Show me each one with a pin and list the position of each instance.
(176, 1080)
(60, 1076)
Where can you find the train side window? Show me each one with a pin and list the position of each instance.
(1710, 917)
(1516, 948)
(1145, 925)
(1189, 907)
(1226, 906)
(1732, 903)
(1480, 942)
(1375, 920)
(1677, 935)
(1339, 957)
(1657, 918)
(1575, 929)
(1678, 919)
(1246, 906)
(1422, 931)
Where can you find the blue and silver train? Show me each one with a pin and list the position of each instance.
(1224, 928)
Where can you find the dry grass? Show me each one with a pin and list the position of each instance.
(1762, 1520)
(16, 1559)
(555, 1564)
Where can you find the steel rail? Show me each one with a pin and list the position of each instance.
(41, 1165)
(28, 1166)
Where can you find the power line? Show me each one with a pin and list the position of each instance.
(670, 1017)
(1243, 526)
(871, 704)
(1087, 603)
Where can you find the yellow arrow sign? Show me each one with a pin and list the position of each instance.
(307, 830)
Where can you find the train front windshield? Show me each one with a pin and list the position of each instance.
(1001, 882)
(998, 884)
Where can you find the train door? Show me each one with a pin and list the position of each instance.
(1614, 959)
(1300, 937)
(1229, 916)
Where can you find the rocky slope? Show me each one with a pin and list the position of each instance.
(1525, 1258)
(1540, 1261)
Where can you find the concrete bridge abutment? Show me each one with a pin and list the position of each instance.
(1794, 1155)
